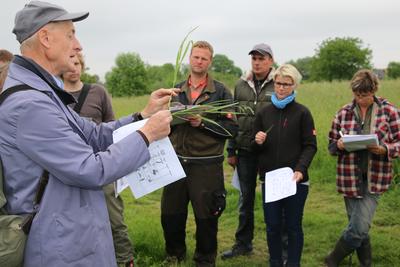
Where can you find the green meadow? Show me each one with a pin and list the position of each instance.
(324, 217)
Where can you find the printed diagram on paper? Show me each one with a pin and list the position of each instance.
(156, 168)
(162, 169)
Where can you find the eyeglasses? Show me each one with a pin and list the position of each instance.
(284, 85)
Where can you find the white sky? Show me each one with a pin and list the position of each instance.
(155, 28)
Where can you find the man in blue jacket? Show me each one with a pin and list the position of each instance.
(39, 132)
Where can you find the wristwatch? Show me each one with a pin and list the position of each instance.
(137, 116)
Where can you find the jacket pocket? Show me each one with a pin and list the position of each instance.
(12, 241)
(216, 202)
(77, 234)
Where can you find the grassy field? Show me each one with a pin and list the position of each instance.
(324, 217)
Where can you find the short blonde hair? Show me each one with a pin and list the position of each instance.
(203, 44)
(364, 81)
(288, 70)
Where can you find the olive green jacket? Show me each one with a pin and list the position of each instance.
(206, 142)
(245, 93)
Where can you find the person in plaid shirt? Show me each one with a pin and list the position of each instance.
(364, 174)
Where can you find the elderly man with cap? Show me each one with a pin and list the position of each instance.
(253, 90)
(40, 136)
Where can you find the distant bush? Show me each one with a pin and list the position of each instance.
(128, 77)
(339, 59)
(393, 70)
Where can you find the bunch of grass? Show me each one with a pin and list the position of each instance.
(180, 56)
(205, 111)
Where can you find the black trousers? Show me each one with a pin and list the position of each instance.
(247, 171)
(200, 187)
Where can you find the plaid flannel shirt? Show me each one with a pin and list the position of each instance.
(385, 122)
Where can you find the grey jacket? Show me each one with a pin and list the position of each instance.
(37, 131)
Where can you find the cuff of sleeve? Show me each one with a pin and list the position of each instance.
(387, 150)
(137, 116)
(300, 169)
(144, 137)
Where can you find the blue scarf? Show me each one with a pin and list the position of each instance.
(281, 104)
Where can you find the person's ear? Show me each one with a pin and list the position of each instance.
(44, 37)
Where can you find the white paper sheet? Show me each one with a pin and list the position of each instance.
(359, 141)
(235, 179)
(120, 185)
(162, 169)
(279, 184)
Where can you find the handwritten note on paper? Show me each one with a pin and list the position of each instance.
(279, 184)
(162, 169)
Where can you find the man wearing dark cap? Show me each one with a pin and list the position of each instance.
(253, 90)
(40, 136)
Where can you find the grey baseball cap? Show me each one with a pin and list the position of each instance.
(263, 49)
(36, 14)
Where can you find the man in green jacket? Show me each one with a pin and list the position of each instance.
(253, 90)
(199, 145)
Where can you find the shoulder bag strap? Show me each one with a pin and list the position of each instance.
(14, 89)
(82, 98)
(26, 224)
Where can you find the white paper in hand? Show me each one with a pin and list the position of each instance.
(120, 186)
(359, 141)
(235, 179)
(162, 169)
(279, 184)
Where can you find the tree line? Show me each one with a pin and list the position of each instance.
(334, 59)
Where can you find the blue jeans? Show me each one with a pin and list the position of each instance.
(247, 171)
(360, 212)
(291, 208)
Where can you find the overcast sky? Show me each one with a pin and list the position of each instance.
(155, 28)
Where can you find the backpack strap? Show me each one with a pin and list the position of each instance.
(14, 89)
(27, 222)
(42, 186)
(82, 98)
(23, 87)
(3, 199)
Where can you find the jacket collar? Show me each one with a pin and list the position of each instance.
(378, 101)
(209, 89)
(26, 71)
(248, 78)
(32, 66)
